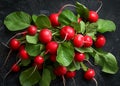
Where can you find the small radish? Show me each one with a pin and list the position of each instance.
(23, 54)
(39, 67)
(38, 60)
(52, 47)
(78, 40)
(79, 20)
(70, 74)
(60, 70)
(67, 32)
(100, 41)
(14, 44)
(88, 41)
(89, 74)
(53, 58)
(54, 19)
(45, 36)
(21, 47)
(32, 30)
(79, 57)
(93, 16)
(15, 68)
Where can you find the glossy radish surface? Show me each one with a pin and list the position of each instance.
(52, 47)
(23, 54)
(100, 41)
(54, 19)
(70, 74)
(15, 68)
(78, 40)
(38, 60)
(14, 44)
(32, 30)
(88, 41)
(67, 32)
(79, 57)
(93, 16)
(89, 74)
(45, 36)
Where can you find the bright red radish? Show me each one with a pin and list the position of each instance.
(79, 20)
(14, 44)
(54, 19)
(52, 47)
(100, 41)
(32, 30)
(89, 74)
(70, 74)
(15, 68)
(45, 35)
(60, 70)
(93, 16)
(88, 41)
(79, 57)
(67, 32)
(23, 54)
(78, 40)
(38, 60)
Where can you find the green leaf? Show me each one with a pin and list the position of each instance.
(84, 50)
(34, 18)
(17, 21)
(65, 53)
(107, 61)
(67, 17)
(32, 39)
(43, 22)
(33, 50)
(46, 78)
(83, 66)
(79, 27)
(74, 66)
(105, 26)
(29, 77)
(25, 62)
(82, 10)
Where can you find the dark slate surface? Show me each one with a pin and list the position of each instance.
(110, 10)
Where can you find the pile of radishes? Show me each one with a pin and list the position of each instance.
(54, 38)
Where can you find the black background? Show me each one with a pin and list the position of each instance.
(110, 10)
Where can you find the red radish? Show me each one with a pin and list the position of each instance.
(21, 47)
(39, 67)
(88, 41)
(79, 57)
(89, 74)
(60, 70)
(79, 20)
(70, 74)
(93, 16)
(23, 54)
(32, 30)
(67, 32)
(14, 44)
(38, 60)
(15, 68)
(100, 41)
(45, 35)
(52, 47)
(78, 40)
(54, 19)
(53, 58)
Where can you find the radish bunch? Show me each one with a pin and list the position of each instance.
(59, 44)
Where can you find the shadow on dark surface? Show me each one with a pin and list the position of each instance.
(110, 10)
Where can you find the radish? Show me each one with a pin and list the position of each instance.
(14, 44)
(23, 54)
(78, 40)
(53, 58)
(88, 41)
(15, 68)
(67, 32)
(93, 16)
(60, 70)
(79, 57)
(89, 74)
(32, 30)
(38, 60)
(45, 35)
(70, 74)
